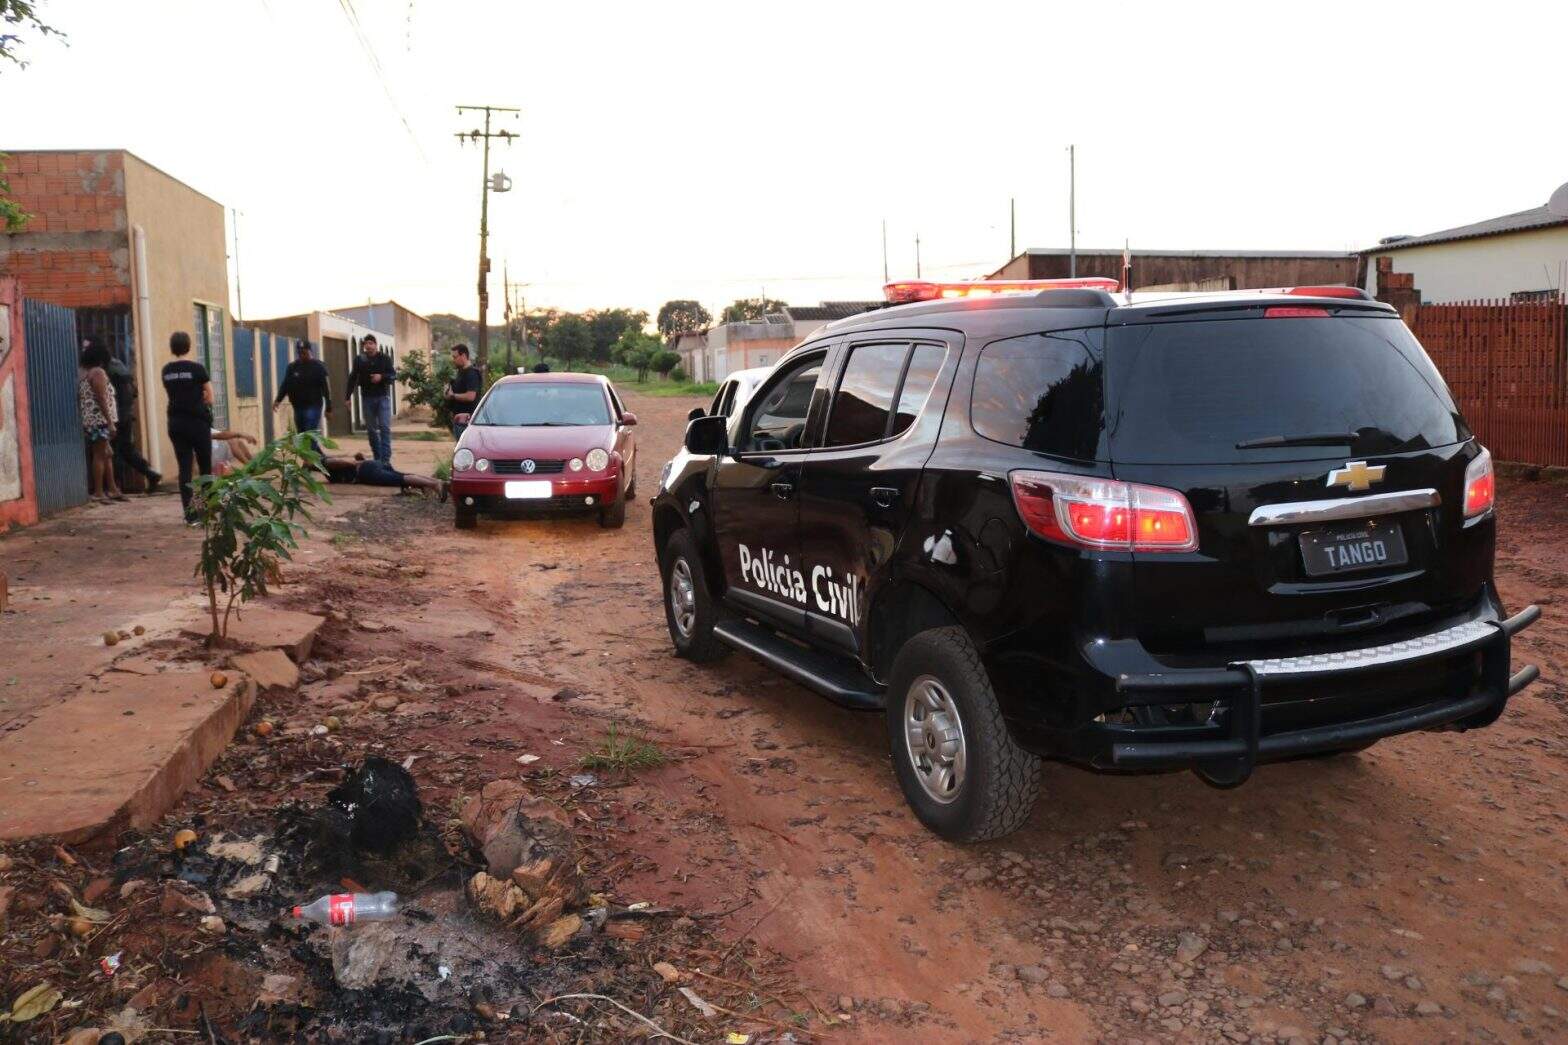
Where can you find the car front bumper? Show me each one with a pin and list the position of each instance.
(1459, 678)
(489, 492)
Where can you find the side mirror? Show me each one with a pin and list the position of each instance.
(628, 418)
(695, 413)
(708, 436)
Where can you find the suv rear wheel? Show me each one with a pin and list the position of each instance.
(689, 609)
(959, 767)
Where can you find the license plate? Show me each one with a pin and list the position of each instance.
(1353, 547)
(528, 490)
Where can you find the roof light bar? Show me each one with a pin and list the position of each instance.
(905, 291)
(1329, 292)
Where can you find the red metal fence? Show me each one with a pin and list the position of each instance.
(1507, 364)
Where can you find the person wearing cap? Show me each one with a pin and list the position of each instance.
(307, 388)
(373, 375)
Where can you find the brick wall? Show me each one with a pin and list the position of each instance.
(75, 249)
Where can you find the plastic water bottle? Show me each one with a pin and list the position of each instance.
(348, 908)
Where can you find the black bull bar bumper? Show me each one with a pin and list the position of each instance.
(1224, 752)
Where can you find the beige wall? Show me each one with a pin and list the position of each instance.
(187, 262)
(1487, 267)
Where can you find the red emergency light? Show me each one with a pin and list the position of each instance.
(1328, 292)
(905, 291)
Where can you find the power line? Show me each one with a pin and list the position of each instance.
(375, 65)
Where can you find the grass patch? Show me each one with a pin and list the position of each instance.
(443, 470)
(625, 380)
(435, 435)
(341, 540)
(623, 753)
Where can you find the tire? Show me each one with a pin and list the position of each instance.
(631, 488)
(613, 517)
(691, 635)
(465, 518)
(938, 679)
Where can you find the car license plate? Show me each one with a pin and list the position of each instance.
(1352, 547)
(528, 490)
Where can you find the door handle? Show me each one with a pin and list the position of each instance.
(783, 490)
(884, 496)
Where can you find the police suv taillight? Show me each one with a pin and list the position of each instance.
(1480, 486)
(1104, 513)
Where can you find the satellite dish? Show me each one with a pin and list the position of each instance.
(1558, 204)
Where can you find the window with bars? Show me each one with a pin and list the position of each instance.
(208, 333)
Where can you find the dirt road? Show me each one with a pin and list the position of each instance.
(1415, 892)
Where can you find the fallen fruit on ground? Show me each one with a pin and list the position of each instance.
(219, 680)
(111, 638)
(184, 837)
(262, 728)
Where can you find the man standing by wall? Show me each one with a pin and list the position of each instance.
(189, 390)
(124, 442)
(308, 389)
(462, 394)
(373, 375)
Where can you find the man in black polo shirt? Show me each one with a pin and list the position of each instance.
(189, 391)
(373, 375)
(462, 393)
(308, 389)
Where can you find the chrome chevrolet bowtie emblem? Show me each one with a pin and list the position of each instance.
(1356, 475)
(529, 466)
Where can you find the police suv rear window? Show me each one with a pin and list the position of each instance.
(1042, 392)
(1247, 390)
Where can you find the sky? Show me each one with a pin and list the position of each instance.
(724, 150)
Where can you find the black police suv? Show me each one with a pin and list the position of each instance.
(1203, 531)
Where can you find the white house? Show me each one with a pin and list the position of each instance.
(1520, 257)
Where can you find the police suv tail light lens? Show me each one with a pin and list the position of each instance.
(1104, 513)
(597, 460)
(463, 460)
(1480, 486)
(483, 464)
(575, 464)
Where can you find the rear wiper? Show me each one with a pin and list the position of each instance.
(1317, 439)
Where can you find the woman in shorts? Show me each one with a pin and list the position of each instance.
(95, 395)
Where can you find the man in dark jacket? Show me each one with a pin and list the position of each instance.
(307, 388)
(373, 375)
(124, 442)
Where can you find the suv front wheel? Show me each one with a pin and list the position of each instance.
(689, 609)
(959, 767)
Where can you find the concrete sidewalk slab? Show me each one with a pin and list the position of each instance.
(263, 628)
(117, 755)
(268, 668)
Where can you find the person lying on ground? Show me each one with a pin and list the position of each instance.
(230, 450)
(369, 472)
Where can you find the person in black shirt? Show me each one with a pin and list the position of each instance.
(463, 391)
(124, 440)
(189, 390)
(373, 375)
(307, 388)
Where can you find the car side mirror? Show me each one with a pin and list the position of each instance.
(628, 418)
(695, 413)
(707, 435)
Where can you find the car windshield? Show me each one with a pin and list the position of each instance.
(529, 403)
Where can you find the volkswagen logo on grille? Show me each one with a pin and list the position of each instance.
(528, 467)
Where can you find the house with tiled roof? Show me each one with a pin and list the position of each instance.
(715, 353)
(1521, 256)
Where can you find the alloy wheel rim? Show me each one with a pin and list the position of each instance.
(683, 598)
(934, 739)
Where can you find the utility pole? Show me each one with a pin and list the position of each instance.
(506, 312)
(239, 290)
(1072, 210)
(917, 255)
(500, 184)
(1012, 228)
(884, 250)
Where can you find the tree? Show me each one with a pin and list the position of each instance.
(751, 308)
(637, 350)
(427, 384)
(682, 317)
(609, 325)
(249, 525)
(664, 362)
(12, 217)
(23, 13)
(570, 339)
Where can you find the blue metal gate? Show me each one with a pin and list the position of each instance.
(59, 450)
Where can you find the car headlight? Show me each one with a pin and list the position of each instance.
(463, 460)
(575, 464)
(483, 464)
(597, 460)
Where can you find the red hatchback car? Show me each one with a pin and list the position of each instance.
(552, 442)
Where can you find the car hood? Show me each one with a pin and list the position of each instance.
(547, 443)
